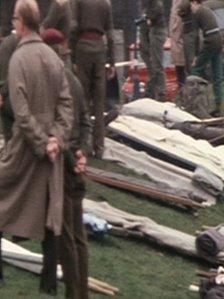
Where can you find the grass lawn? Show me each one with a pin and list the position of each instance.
(139, 269)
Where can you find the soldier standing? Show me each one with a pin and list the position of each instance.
(211, 51)
(189, 34)
(93, 20)
(73, 241)
(157, 36)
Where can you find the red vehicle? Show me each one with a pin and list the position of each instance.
(139, 66)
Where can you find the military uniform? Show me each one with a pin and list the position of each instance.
(44, 6)
(189, 34)
(93, 20)
(72, 245)
(144, 43)
(211, 51)
(71, 248)
(157, 35)
(59, 17)
(73, 240)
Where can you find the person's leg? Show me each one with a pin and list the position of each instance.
(81, 241)
(150, 87)
(73, 256)
(189, 49)
(68, 253)
(48, 278)
(181, 75)
(144, 49)
(158, 84)
(84, 73)
(202, 60)
(99, 95)
(216, 64)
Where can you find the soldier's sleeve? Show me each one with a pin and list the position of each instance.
(27, 123)
(53, 17)
(64, 113)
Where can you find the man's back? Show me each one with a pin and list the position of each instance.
(42, 69)
(93, 15)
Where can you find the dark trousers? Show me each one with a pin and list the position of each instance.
(215, 58)
(189, 40)
(181, 75)
(156, 88)
(48, 278)
(71, 247)
(91, 73)
(73, 243)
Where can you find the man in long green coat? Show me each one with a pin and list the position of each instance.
(31, 164)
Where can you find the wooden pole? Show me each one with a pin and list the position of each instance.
(97, 176)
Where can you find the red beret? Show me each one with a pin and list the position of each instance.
(52, 36)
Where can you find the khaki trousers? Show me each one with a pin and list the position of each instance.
(91, 73)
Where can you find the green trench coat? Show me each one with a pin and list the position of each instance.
(31, 187)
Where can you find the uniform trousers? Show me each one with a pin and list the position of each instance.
(157, 79)
(92, 75)
(215, 58)
(70, 247)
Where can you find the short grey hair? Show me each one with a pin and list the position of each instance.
(29, 12)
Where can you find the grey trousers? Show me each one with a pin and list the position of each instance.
(157, 79)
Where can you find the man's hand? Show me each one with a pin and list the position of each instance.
(81, 161)
(53, 148)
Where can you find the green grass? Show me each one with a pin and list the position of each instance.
(140, 269)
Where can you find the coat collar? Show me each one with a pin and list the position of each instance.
(30, 38)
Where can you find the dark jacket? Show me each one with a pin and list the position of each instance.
(82, 130)
(206, 21)
(59, 17)
(93, 16)
(155, 13)
(184, 11)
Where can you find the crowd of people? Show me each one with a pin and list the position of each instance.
(196, 42)
(52, 78)
(52, 74)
